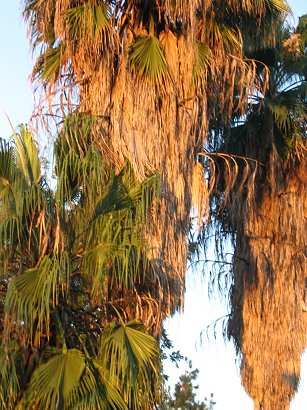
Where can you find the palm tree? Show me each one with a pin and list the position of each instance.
(153, 73)
(265, 210)
(156, 76)
(65, 340)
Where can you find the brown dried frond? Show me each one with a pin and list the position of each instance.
(235, 174)
(200, 194)
(293, 46)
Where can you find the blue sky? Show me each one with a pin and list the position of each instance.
(16, 97)
(218, 371)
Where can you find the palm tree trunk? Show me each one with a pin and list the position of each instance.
(154, 129)
(268, 321)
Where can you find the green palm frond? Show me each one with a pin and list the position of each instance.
(10, 360)
(10, 231)
(229, 36)
(115, 240)
(127, 192)
(113, 249)
(132, 357)
(280, 5)
(73, 178)
(147, 60)
(116, 199)
(78, 160)
(27, 156)
(19, 206)
(75, 135)
(217, 32)
(141, 193)
(21, 184)
(70, 380)
(202, 60)
(7, 168)
(69, 177)
(6, 165)
(288, 110)
(49, 64)
(97, 390)
(280, 113)
(89, 20)
(30, 297)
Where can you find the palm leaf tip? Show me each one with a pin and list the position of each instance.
(280, 5)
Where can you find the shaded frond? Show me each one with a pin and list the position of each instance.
(202, 61)
(30, 297)
(10, 360)
(126, 191)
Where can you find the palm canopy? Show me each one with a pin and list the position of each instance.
(145, 40)
(71, 260)
(281, 109)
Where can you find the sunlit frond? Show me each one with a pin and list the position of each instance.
(280, 5)
(70, 380)
(27, 156)
(146, 58)
(132, 357)
(88, 20)
(49, 64)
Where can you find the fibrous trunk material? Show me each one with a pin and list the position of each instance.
(269, 319)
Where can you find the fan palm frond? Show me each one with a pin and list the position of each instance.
(30, 296)
(49, 64)
(147, 60)
(114, 247)
(27, 156)
(202, 61)
(132, 357)
(127, 192)
(6, 164)
(7, 168)
(88, 20)
(70, 380)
